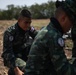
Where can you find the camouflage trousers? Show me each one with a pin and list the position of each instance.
(21, 65)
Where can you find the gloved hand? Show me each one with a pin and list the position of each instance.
(20, 64)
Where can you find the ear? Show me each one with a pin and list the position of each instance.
(19, 19)
(63, 18)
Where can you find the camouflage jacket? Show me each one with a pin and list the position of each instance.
(73, 32)
(16, 44)
(73, 35)
(47, 56)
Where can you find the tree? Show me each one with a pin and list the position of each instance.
(43, 11)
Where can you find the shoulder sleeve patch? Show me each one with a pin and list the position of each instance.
(61, 42)
(11, 38)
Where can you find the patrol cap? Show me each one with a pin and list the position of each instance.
(69, 6)
(25, 13)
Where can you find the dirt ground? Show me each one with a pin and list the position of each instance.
(3, 26)
(3, 70)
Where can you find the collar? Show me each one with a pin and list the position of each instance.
(57, 25)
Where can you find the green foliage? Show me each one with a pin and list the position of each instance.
(43, 11)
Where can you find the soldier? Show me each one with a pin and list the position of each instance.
(47, 56)
(16, 43)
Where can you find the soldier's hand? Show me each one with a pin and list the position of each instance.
(18, 71)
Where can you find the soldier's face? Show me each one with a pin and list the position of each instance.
(25, 23)
(68, 24)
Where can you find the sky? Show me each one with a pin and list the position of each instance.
(4, 3)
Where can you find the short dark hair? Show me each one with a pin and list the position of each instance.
(25, 13)
(69, 7)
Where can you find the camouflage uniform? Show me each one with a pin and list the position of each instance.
(73, 34)
(47, 56)
(16, 45)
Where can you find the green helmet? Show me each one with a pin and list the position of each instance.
(69, 6)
